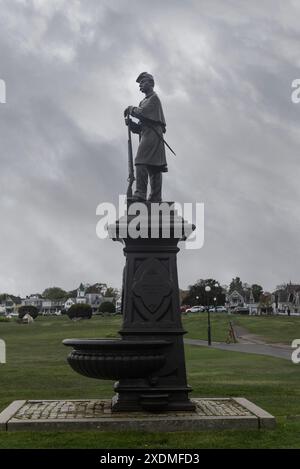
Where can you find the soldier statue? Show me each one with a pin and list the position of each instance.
(150, 160)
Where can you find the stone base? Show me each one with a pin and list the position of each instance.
(70, 415)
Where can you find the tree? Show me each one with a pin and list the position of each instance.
(283, 286)
(107, 307)
(55, 293)
(16, 299)
(96, 288)
(257, 291)
(80, 311)
(198, 296)
(236, 284)
(72, 294)
(111, 293)
(28, 309)
(265, 303)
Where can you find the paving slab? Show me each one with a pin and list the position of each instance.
(9, 412)
(95, 414)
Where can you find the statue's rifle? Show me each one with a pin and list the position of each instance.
(131, 177)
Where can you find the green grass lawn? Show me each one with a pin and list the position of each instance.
(36, 368)
(272, 329)
(196, 326)
(281, 329)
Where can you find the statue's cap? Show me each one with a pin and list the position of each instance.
(144, 75)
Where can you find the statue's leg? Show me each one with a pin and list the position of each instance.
(141, 182)
(155, 184)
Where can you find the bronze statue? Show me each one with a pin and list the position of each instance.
(150, 160)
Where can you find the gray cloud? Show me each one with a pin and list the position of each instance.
(223, 73)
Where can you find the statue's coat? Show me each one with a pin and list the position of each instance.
(151, 150)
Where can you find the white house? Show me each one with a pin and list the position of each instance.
(287, 299)
(81, 299)
(70, 302)
(244, 299)
(33, 300)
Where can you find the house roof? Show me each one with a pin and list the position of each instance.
(246, 295)
(235, 293)
(288, 293)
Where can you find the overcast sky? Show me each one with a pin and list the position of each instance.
(223, 71)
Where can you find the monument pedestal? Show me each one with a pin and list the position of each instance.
(151, 307)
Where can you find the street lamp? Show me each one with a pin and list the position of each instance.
(208, 289)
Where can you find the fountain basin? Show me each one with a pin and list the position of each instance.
(116, 359)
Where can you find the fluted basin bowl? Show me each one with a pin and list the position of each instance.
(116, 359)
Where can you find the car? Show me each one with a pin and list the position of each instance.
(241, 310)
(12, 315)
(183, 308)
(195, 309)
(221, 309)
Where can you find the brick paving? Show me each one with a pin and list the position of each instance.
(95, 409)
(53, 410)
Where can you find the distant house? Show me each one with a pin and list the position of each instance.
(70, 302)
(100, 288)
(243, 299)
(81, 294)
(80, 298)
(85, 294)
(119, 303)
(33, 300)
(52, 306)
(234, 299)
(94, 300)
(287, 299)
(8, 306)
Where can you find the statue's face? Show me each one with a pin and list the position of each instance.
(145, 85)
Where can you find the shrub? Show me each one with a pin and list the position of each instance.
(80, 311)
(4, 319)
(32, 310)
(107, 307)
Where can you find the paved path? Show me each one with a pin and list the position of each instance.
(275, 350)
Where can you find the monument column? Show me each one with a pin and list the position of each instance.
(151, 309)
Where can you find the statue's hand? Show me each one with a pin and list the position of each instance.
(134, 127)
(128, 111)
